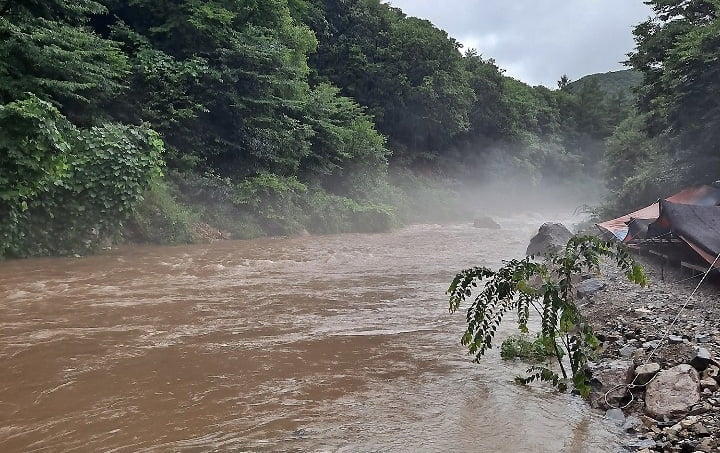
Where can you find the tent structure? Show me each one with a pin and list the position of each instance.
(621, 228)
(690, 218)
(697, 226)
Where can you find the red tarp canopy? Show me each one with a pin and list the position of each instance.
(698, 195)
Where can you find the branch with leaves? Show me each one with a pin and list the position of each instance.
(547, 288)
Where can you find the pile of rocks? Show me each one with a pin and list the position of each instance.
(657, 374)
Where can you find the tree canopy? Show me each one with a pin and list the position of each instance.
(272, 116)
(673, 139)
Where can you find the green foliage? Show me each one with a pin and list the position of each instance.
(280, 115)
(67, 190)
(34, 144)
(236, 73)
(420, 198)
(523, 347)
(161, 219)
(335, 214)
(348, 155)
(212, 197)
(678, 53)
(509, 289)
(408, 73)
(610, 83)
(638, 169)
(48, 48)
(276, 201)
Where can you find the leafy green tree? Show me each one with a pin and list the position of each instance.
(35, 140)
(678, 52)
(65, 190)
(242, 74)
(490, 112)
(348, 155)
(48, 48)
(409, 74)
(493, 294)
(563, 82)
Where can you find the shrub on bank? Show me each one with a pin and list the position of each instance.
(65, 190)
(161, 218)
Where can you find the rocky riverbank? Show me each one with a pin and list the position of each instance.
(656, 375)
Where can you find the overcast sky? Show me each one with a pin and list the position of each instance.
(537, 41)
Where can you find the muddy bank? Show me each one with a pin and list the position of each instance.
(639, 328)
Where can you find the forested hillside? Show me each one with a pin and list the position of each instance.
(612, 83)
(153, 121)
(673, 138)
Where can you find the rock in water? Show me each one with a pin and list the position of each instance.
(551, 237)
(672, 392)
(486, 222)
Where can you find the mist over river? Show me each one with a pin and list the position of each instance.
(328, 343)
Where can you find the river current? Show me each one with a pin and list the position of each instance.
(329, 343)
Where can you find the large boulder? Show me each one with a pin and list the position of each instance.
(673, 392)
(551, 237)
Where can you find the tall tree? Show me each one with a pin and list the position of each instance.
(409, 74)
(236, 73)
(678, 52)
(48, 48)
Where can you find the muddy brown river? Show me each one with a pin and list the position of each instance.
(334, 343)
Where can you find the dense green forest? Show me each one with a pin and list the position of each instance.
(612, 83)
(155, 121)
(672, 137)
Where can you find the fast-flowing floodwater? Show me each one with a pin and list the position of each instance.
(334, 343)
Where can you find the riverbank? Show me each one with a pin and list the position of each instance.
(632, 321)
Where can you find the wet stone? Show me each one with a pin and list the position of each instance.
(701, 359)
(640, 444)
(673, 392)
(550, 237)
(610, 377)
(709, 384)
(616, 415)
(646, 372)
(633, 424)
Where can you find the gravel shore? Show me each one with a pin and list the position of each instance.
(632, 321)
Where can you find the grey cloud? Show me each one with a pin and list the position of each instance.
(539, 40)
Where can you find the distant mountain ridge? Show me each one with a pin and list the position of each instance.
(611, 83)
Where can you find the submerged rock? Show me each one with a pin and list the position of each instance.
(551, 237)
(486, 222)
